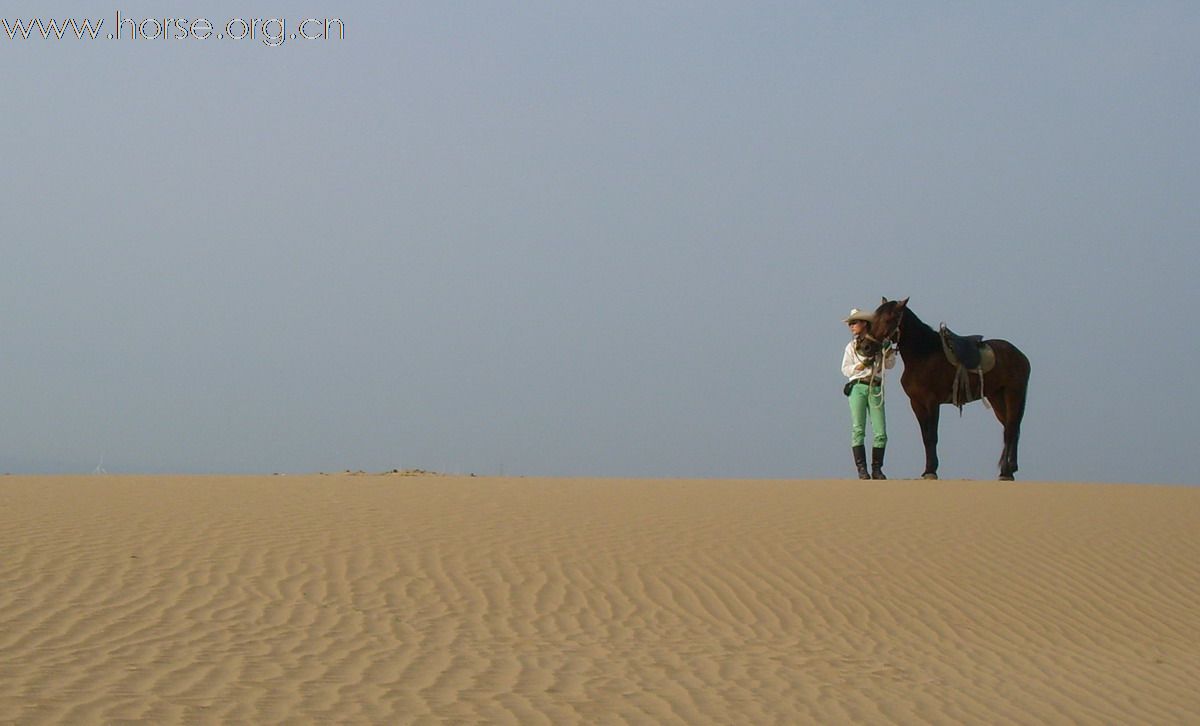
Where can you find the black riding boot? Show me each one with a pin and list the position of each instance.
(877, 463)
(860, 460)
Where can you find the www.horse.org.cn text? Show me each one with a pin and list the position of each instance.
(271, 32)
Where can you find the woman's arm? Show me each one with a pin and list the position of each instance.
(850, 362)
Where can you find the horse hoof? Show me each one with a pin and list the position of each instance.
(929, 475)
(1006, 477)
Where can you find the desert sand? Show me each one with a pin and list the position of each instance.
(394, 599)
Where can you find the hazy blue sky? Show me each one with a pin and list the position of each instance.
(595, 238)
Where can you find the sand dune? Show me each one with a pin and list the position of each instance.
(383, 599)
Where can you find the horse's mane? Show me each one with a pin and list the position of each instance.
(916, 336)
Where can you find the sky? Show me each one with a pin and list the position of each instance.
(593, 239)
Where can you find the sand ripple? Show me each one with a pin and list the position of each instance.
(461, 600)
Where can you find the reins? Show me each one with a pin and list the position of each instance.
(879, 360)
(894, 337)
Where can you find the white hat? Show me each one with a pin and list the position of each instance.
(856, 314)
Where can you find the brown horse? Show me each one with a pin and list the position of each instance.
(928, 379)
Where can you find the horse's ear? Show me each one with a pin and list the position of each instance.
(904, 303)
(884, 301)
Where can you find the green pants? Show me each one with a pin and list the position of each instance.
(863, 399)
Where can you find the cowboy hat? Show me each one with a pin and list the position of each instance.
(856, 314)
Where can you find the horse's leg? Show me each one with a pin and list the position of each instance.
(927, 417)
(1000, 408)
(1014, 400)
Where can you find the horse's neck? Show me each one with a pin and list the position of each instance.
(916, 338)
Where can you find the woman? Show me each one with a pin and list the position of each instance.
(865, 389)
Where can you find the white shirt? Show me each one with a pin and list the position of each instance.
(854, 366)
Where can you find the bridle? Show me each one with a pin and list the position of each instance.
(895, 334)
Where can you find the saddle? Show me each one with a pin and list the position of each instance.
(968, 354)
(967, 351)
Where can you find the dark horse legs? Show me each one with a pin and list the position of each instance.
(927, 417)
(1010, 409)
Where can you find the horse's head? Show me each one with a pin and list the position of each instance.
(888, 316)
(885, 326)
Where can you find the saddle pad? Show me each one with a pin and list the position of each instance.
(967, 351)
